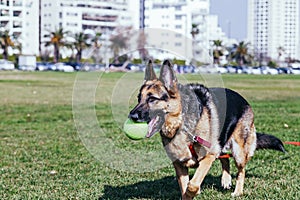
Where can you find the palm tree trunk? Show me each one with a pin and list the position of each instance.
(56, 53)
(5, 53)
(78, 56)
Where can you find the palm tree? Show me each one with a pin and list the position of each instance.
(240, 53)
(195, 30)
(57, 40)
(120, 40)
(5, 42)
(96, 40)
(280, 51)
(80, 43)
(96, 46)
(218, 51)
(141, 43)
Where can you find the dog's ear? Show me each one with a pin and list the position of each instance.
(167, 75)
(149, 72)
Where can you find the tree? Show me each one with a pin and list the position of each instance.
(119, 40)
(281, 52)
(80, 43)
(240, 53)
(195, 30)
(218, 51)
(5, 42)
(96, 46)
(57, 39)
(141, 43)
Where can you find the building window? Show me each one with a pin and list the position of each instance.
(178, 17)
(177, 7)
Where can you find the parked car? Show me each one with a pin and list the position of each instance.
(255, 70)
(268, 70)
(284, 70)
(41, 66)
(222, 70)
(295, 71)
(63, 67)
(6, 65)
(243, 70)
(231, 69)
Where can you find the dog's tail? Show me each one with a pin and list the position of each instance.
(265, 141)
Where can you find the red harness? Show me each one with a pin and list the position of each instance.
(200, 141)
(194, 154)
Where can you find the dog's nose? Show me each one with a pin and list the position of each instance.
(133, 116)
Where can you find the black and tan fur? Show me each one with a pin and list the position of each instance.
(218, 115)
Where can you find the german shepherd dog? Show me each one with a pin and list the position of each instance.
(197, 125)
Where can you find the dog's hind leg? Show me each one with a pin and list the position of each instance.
(182, 178)
(193, 188)
(242, 152)
(226, 177)
(243, 147)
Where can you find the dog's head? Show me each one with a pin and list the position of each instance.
(159, 102)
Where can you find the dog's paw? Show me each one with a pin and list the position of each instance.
(193, 190)
(236, 194)
(226, 181)
(186, 197)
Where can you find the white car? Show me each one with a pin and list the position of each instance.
(64, 68)
(295, 70)
(255, 70)
(269, 70)
(6, 65)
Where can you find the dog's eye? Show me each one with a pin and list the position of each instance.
(152, 99)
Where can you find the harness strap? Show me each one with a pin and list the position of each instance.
(201, 141)
(193, 152)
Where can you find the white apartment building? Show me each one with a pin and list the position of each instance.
(176, 18)
(173, 23)
(82, 15)
(21, 18)
(215, 32)
(273, 24)
(28, 21)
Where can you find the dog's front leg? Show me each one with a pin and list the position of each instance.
(193, 187)
(182, 175)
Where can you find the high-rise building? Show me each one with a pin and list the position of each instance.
(20, 18)
(273, 28)
(142, 14)
(178, 16)
(80, 15)
(175, 20)
(29, 21)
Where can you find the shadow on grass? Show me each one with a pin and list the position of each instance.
(166, 188)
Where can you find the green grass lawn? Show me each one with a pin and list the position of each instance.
(51, 146)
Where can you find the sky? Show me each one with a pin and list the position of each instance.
(232, 16)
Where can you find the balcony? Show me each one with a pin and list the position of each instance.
(17, 3)
(105, 18)
(4, 12)
(3, 24)
(17, 13)
(17, 24)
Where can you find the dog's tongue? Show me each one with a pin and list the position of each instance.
(153, 127)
